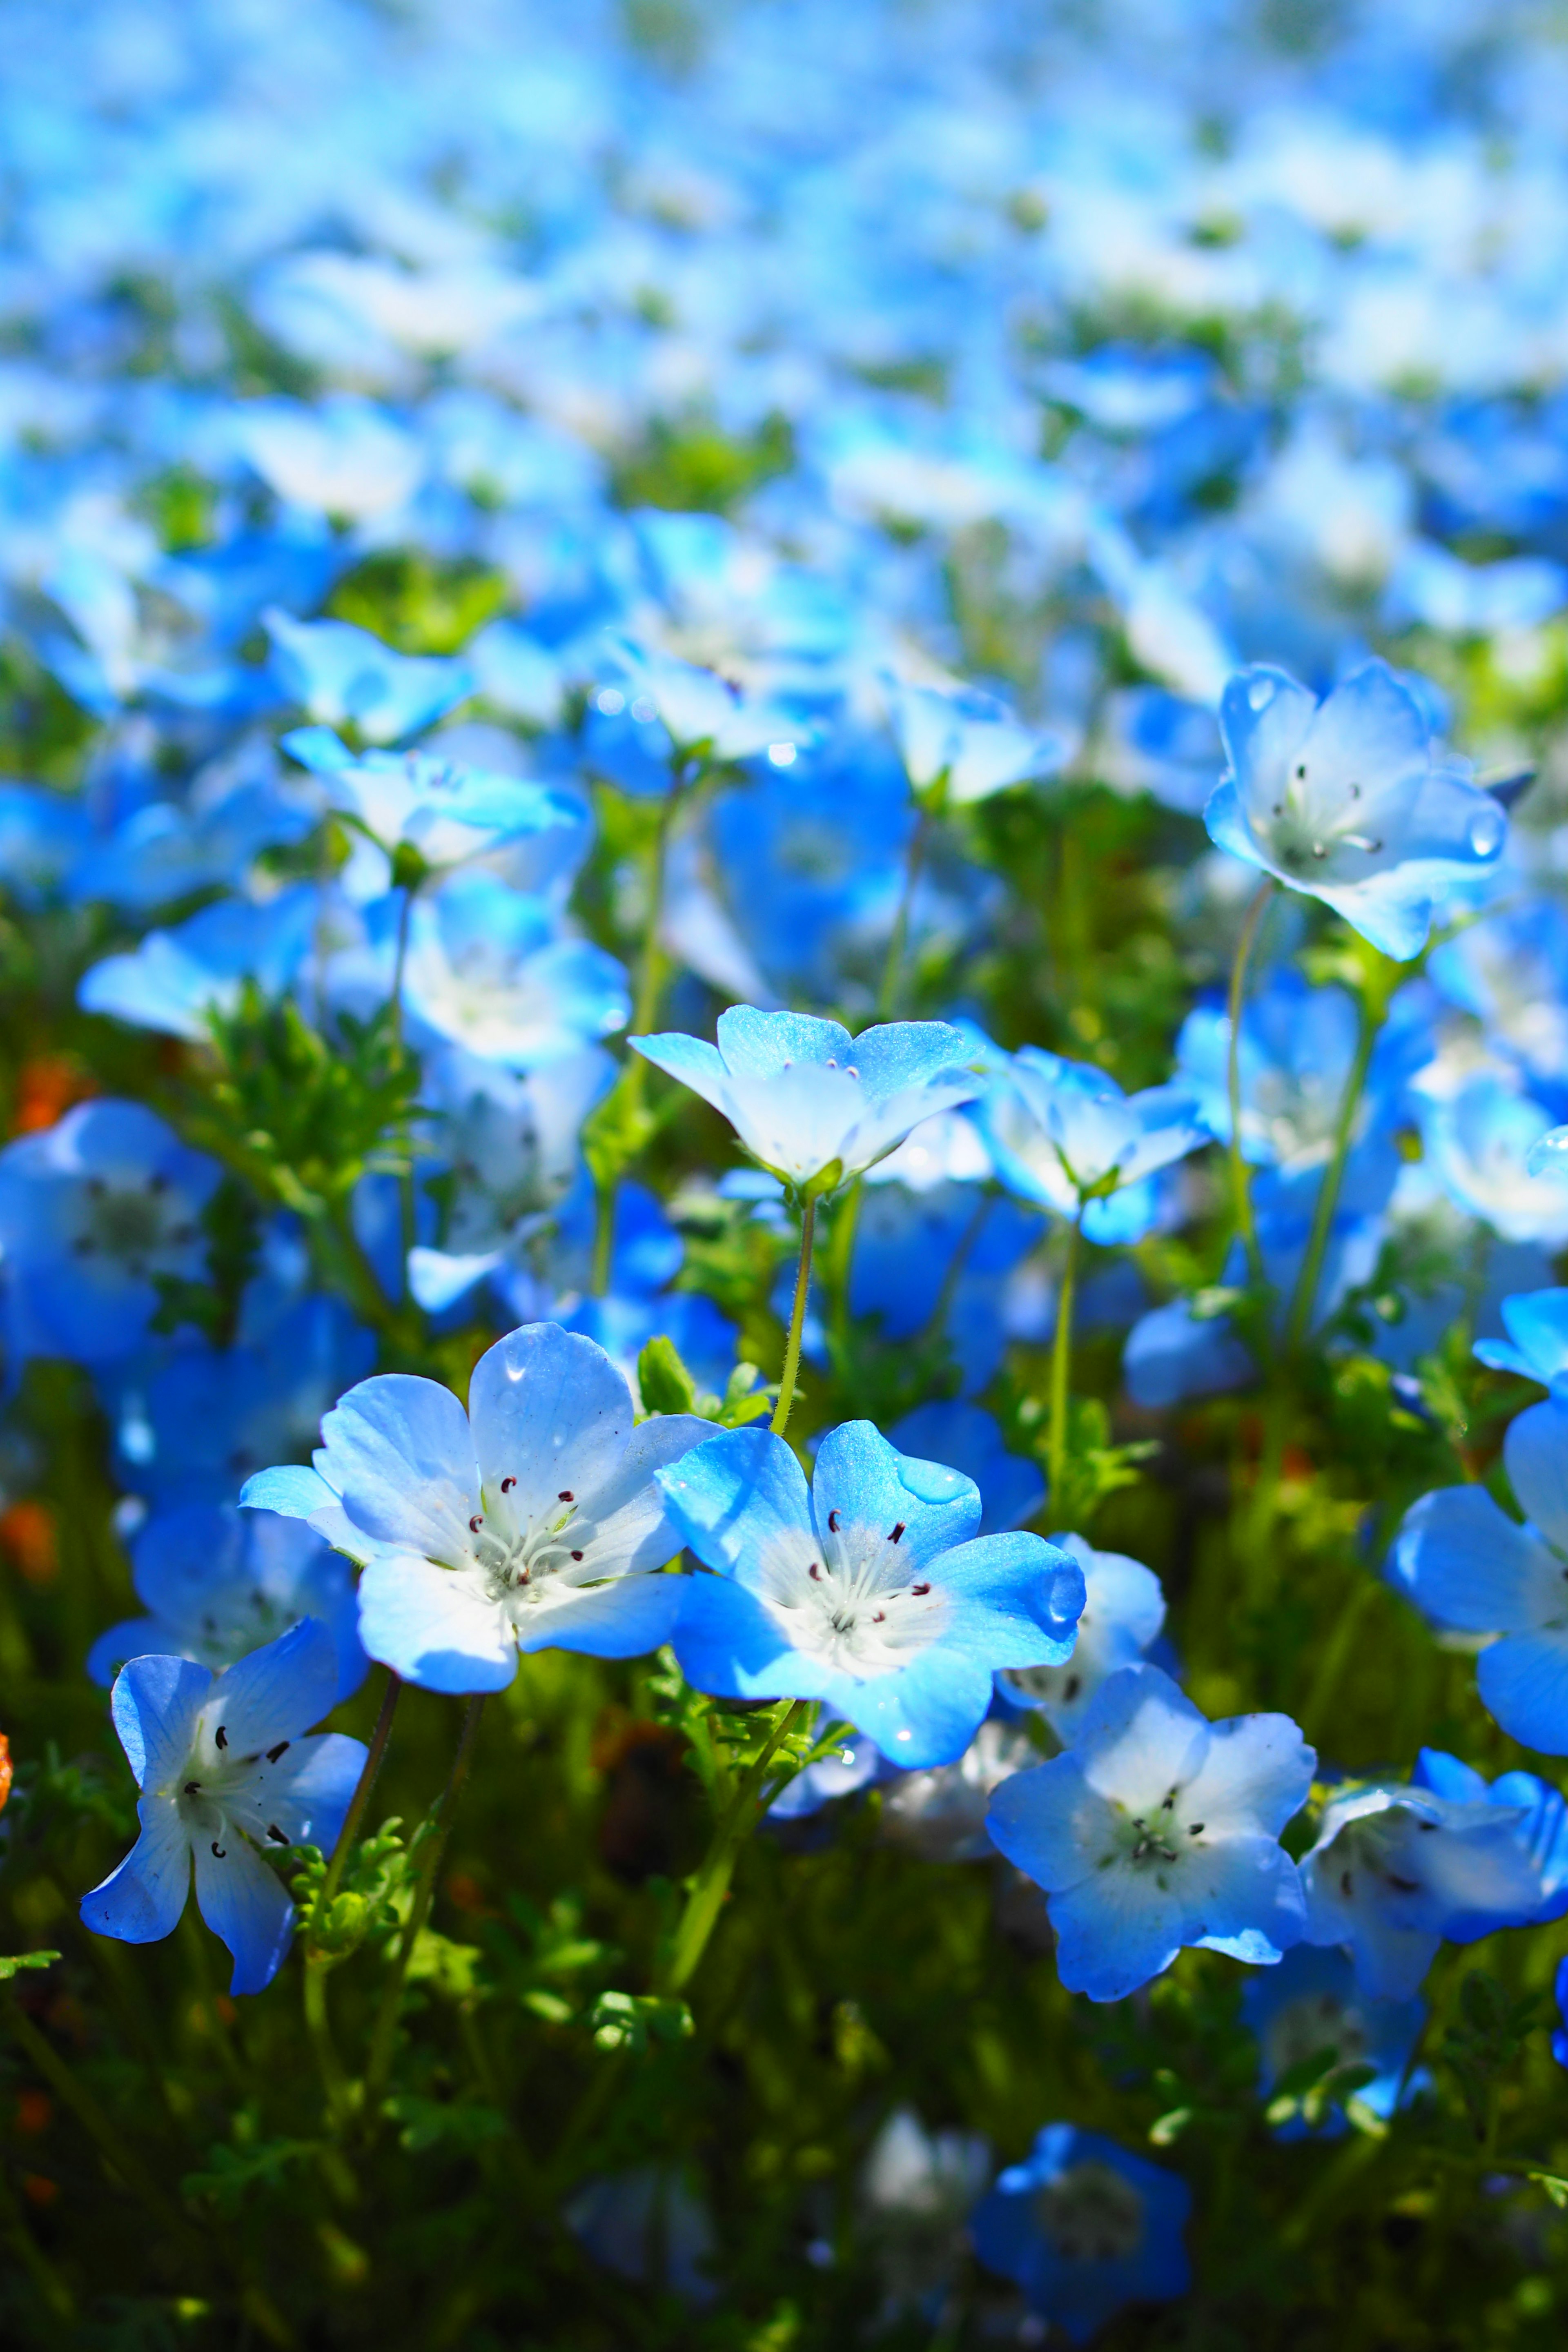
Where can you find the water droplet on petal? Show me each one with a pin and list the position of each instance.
(1260, 693)
(1548, 1155)
(932, 1481)
(1486, 830)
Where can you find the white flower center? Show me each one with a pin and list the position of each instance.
(1317, 2021)
(856, 1602)
(1091, 2213)
(1153, 1845)
(132, 1224)
(524, 1563)
(211, 1780)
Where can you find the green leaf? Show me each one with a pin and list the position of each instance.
(10, 1962)
(232, 2172)
(454, 1970)
(663, 1380)
(1555, 2186)
(629, 2020)
(460, 2125)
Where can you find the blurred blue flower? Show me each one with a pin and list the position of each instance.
(1312, 2003)
(959, 745)
(343, 676)
(223, 1770)
(1084, 2228)
(176, 981)
(1064, 1135)
(1541, 1832)
(1481, 1139)
(969, 1439)
(1537, 1343)
(864, 1591)
(487, 969)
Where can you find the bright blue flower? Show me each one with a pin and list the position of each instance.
(1344, 799)
(864, 1591)
(42, 835)
(343, 457)
(1311, 2002)
(970, 1439)
(343, 677)
(488, 971)
(1397, 1869)
(1541, 1832)
(1084, 2228)
(531, 1522)
(1537, 1343)
(947, 1245)
(1158, 1829)
(1480, 1142)
(1471, 1568)
(445, 809)
(176, 980)
(1064, 1135)
(223, 1770)
(702, 716)
(161, 851)
(219, 1583)
(1123, 1614)
(92, 1211)
(959, 745)
(813, 1105)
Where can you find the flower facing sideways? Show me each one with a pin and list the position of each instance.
(863, 1591)
(1084, 2227)
(223, 1770)
(1158, 1829)
(529, 1522)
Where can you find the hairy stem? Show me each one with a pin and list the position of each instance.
(1062, 1367)
(1240, 1174)
(796, 1323)
(1306, 1281)
(893, 967)
(711, 1883)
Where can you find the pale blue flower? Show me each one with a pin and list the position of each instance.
(341, 675)
(1346, 800)
(1084, 2227)
(1536, 1347)
(1158, 1829)
(1123, 1615)
(487, 969)
(225, 1770)
(1063, 1135)
(863, 1591)
(1482, 1143)
(176, 980)
(959, 745)
(1310, 2004)
(447, 811)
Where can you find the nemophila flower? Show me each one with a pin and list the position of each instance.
(1311, 2004)
(1482, 1142)
(1510, 969)
(703, 716)
(935, 1259)
(959, 745)
(1397, 1869)
(1540, 1832)
(227, 1774)
(341, 456)
(864, 1591)
(915, 2192)
(1123, 1612)
(486, 970)
(1064, 1135)
(531, 1522)
(219, 1583)
(1536, 1347)
(650, 2225)
(447, 811)
(814, 1106)
(940, 1814)
(176, 980)
(1344, 800)
(1085, 2228)
(343, 676)
(92, 1211)
(1158, 1829)
(970, 1439)
(1471, 1568)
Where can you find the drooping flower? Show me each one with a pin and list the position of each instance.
(1084, 2227)
(1540, 1832)
(1310, 2005)
(1345, 800)
(863, 1591)
(1123, 1611)
(1158, 1829)
(1397, 1869)
(1063, 1135)
(814, 1106)
(227, 1774)
(529, 1522)
(219, 1583)
(1472, 1569)
(92, 1211)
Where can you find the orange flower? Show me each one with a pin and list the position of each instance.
(27, 1540)
(46, 1087)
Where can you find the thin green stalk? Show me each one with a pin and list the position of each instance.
(1336, 1657)
(837, 1260)
(383, 2035)
(324, 2049)
(406, 1206)
(711, 1883)
(1323, 1209)
(1240, 1174)
(1062, 1367)
(796, 1323)
(52, 2289)
(131, 2169)
(893, 967)
(337, 1863)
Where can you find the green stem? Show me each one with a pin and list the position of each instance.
(338, 1861)
(796, 1323)
(1062, 1367)
(383, 2035)
(1306, 1293)
(129, 2169)
(837, 1260)
(706, 1898)
(893, 968)
(51, 2288)
(1240, 1173)
(1336, 1656)
(318, 2029)
(407, 1210)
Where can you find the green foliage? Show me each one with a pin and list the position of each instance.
(694, 465)
(419, 602)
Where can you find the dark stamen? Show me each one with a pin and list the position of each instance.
(274, 1753)
(274, 1831)
(815, 1573)
(507, 1485)
(833, 1529)
(1345, 1884)
(1403, 1885)
(192, 1787)
(222, 1736)
(475, 1523)
(920, 1591)
(221, 1851)
(577, 1555)
(1195, 1829)
(898, 1531)
(565, 1495)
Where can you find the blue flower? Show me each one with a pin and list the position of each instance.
(176, 981)
(1312, 2003)
(1123, 1614)
(947, 1246)
(703, 716)
(488, 971)
(959, 745)
(219, 1583)
(1471, 1568)
(1481, 1142)
(814, 1106)
(444, 810)
(1510, 969)
(1064, 1135)
(529, 1522)
(1541, 1832)
(970, 1439)
(1397, 1869)
(344, 677)
(1085, 2228)
(1344, 801)
(863, 1591)
(223, 1770)
(1158, 1829)
(92, 1211)
(1536, 1347)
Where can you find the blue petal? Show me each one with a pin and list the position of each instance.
(761, 1045)
(867, 1483)
(730, 1645)
(1522, 1681)
(1470, 1567)
(733, 1497)
(278, 1691)
(246, 1907)
(924, 1715)
(626, 1617)
(142, 1901)
(291, 1490)
(1009, 1595)
(431, 1626)
(155, 1703)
